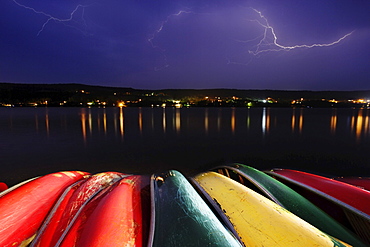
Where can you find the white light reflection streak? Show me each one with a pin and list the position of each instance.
(265, 120)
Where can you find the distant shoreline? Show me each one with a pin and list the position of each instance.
(71, 94)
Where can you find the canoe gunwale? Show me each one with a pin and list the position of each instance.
(214, 206)
(152, 211)
(17, 186)
(60, 200)
(52, 212)
(322, 194)
(253, 181)
(81, 208)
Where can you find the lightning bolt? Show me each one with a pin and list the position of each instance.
(55, 19)
(157, 32)
(268, 29)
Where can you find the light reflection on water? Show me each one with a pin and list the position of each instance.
(360, 123)
(184, 139)
(297, 120)
(333, 121)
(214, 119)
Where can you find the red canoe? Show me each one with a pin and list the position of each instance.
(344, 202)
(361, 182)
(70, 204)
(24, 208)
(118, 216)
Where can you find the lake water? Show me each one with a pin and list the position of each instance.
(36, 141)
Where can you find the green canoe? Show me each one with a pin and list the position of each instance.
(181, 218)
(290, 200)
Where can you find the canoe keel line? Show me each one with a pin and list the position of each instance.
(229, 206)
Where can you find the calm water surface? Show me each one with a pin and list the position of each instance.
(36, 141)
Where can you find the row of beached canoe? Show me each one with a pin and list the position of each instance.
(234, 205)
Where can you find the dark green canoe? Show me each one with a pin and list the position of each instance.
(290, 200)
(181, 218)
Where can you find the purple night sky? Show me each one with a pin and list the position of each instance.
(197, 44)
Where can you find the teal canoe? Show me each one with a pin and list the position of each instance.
(290, 200)
(181, 218)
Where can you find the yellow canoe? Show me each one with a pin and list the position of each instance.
(258, 220)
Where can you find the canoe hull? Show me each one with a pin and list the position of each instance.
(29, 205)
(119, 210)
(346, 203)
(69, 206)
(181, 218)
(361, 182)
(259, 221)
(290, 200)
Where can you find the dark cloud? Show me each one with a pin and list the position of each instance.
(148, 44)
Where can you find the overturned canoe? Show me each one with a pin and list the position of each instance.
(69, 207)
(181, 218)
(114, 209)
(257, 220)
(29, 203)
(346, 203)
(361, 182)
(113, 217)
(290, 200)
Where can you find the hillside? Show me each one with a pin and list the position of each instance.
(78, 94)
